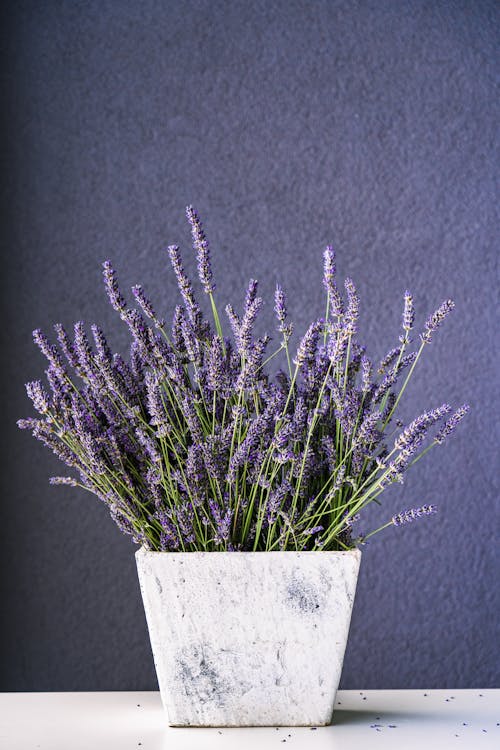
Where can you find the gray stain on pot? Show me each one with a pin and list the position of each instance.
(302, 595)
(199, 677)
(158, 585)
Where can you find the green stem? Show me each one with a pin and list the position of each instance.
(407, 379)
(218, 326)
(308, 441)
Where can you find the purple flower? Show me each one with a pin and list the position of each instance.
(216, 380)
(328, 446)
(244, 334)
(137, 363)
(337, 345)
(185, 286)
(156, 405)
(192, 419)
(417, 429)
(83, 350)
(408, 318)
(281, 313)
(388, 360)
(351, 520)
(149, 445)
(59, 386)
(234, 320)
(451, 424)
(193, 443)
(184, 516)
(314, 530)
(27, 424)
(391, 376)
(202, 249)
(436, 319)
(329, 270)
(407, 516)
(58, 448)
(48, 350)
(124, 379)
(222, 520)
(251, 293)
(146, 305)
(248, 375)
(306, 351)
(38, 395)
(70, 481)
(169, 537)
(367, 370)
(102, 346)
(368, 432)
(123, 523)
(92, 454)
(66, 345)
(276, 501)
(112, 288)
(139, 330)
(191, 342)
(352, 313)
(338, 481)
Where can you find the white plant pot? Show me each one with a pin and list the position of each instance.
(248, 638)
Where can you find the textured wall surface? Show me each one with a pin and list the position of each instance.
(371, 125)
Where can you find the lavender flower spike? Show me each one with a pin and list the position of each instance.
(251, 294)
(329, 267)
(366, 372)
(307, 347)
(66, 345)
(244, 337)
(417, 429)
(314, 530)
(281, 312)
(388, 360)
(436, 319)
(352, 313)
(37, 394)
(408, 318)
(146, 305)
(329, 281)
(451, 423)
(215, 369)
(407, 516)
(48, 349)
(112, 289)
(64, 480)
(202, 249)
(101, 344)
(184, 284)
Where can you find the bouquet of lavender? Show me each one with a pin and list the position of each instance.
(192, 445)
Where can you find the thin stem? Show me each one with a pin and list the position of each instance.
(407, 379)
(217, 322)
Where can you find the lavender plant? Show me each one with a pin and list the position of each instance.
(193, 445)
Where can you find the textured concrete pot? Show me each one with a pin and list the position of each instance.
(248, 638)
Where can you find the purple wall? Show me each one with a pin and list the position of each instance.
(371, 125)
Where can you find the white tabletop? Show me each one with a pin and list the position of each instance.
(400, 719)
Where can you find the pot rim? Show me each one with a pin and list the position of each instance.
(142, 552)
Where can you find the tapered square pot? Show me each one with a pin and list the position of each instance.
(248, 638)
